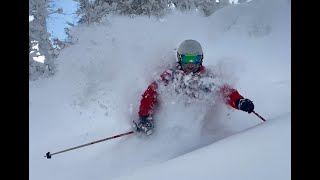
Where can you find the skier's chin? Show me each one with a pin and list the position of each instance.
(190, 70)
(187, 68)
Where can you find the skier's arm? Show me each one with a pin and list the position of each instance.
(235, 100)
(230, 96)
(148, 101)
(149, 97)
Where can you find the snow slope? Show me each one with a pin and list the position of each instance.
(97, 90)
(253, 154)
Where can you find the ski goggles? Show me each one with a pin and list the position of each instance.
(190, 58)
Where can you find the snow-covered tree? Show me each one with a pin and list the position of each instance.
(39, 42)
(242, 1)
(206, 6)
(149, 8)
(92, 11)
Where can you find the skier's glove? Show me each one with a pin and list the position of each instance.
(245, 105)
(145, 125)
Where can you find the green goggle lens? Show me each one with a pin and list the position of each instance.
(186, 59)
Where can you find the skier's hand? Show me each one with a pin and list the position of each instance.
(145, 125)
(245, 105)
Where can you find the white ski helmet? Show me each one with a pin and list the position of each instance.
(190, 47)
(190, 55)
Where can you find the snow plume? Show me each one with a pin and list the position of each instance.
(97, 91)
(184, 102)
(113, 63)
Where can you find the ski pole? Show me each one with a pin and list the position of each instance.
(48, 155)
(259, 116)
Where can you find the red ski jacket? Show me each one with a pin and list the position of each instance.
(149, 97)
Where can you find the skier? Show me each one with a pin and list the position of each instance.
(189, 62)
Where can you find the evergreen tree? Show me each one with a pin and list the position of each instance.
(39, 42)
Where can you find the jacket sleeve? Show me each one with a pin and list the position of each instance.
(148, 101)
(149, 97)
(230, 95)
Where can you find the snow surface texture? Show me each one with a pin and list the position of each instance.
(98, 87)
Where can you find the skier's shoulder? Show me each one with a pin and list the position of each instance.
(171, 70)
(166, 75)
(207, 71)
